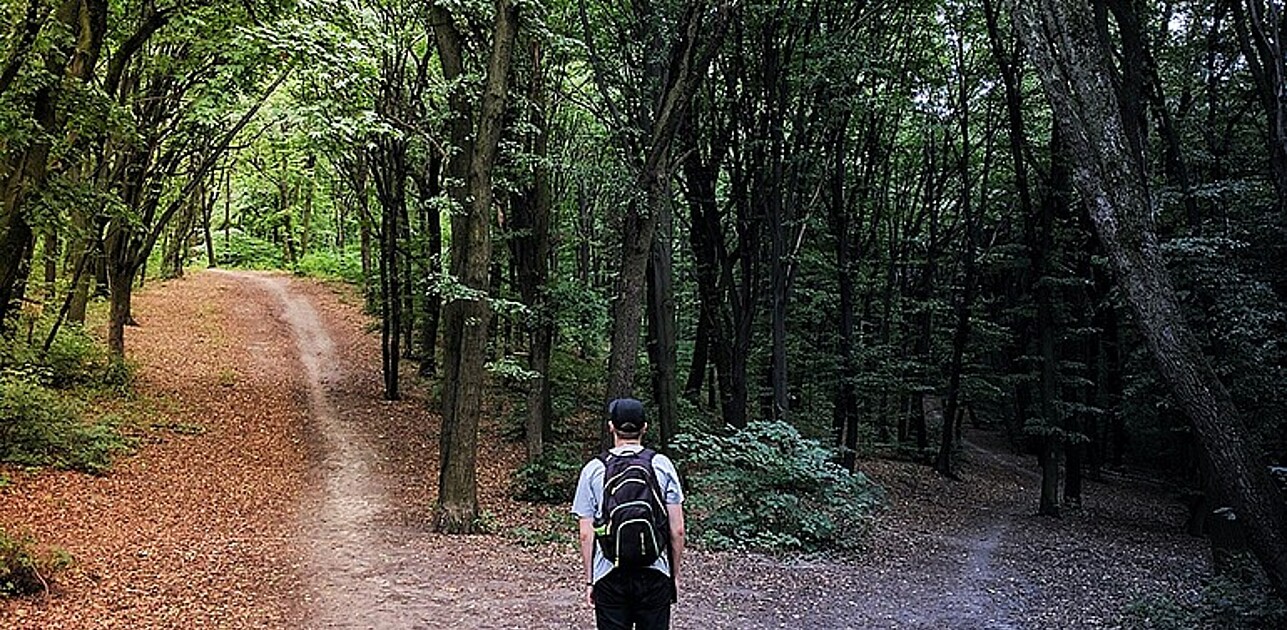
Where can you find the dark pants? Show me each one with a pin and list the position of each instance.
(633, 599)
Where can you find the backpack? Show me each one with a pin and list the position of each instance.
(633, 528)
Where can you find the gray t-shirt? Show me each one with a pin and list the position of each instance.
(589, 492)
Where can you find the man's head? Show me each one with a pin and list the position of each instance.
(626, 418)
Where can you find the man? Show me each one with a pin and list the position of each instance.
(624, 597)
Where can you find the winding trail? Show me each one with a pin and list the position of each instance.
(369, 564)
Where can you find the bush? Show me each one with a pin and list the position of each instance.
(74, 359)
(248, 252)
(769, 488)
(346, 266)
(23, 569)
(551, 478)
(39, 427)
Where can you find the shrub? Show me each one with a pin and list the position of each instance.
(23, 569)
(551, 478)
(346, 266)
(769, 488)
(75, 358)
(38, 427)
(248, 252)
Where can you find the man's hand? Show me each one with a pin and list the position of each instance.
(589, 595)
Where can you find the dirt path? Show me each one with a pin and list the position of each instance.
(331, 487)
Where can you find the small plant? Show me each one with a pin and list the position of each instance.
(39, 427)
(767, 487)
(75, 358)
(25, 570)
(345, 266)
(555, 530)
(1242, 601)
(487, 522)
(551, 478)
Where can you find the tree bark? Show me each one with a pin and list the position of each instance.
(429, 185)
(661, 321)
(27, 170)
(466, 317)
(530, 211)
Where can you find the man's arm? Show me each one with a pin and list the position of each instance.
(587, 557)
(676, 513)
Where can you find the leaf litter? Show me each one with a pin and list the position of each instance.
(278, 495)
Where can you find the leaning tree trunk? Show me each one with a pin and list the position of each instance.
(1074, 71)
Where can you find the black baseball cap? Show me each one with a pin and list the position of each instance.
(627, 415)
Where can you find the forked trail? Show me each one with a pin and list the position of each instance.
(331, 488)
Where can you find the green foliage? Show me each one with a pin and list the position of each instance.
(74, 358)
(1227, 603)
(249, 252)
(551, 478)
(555, 529)
(767, 487)
(346, 265)
(25, 570)
(40, 427)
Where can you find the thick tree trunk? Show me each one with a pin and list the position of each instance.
(628, 304)
(467, 317)
(1073, 68)
(120, 289)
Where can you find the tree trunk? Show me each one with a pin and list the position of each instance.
(661, 321)
(389, 168)
(700, 364)
(466, 318)
(628, 304)
(1073, 69)
(86, 246)
(429, 184)
(530, 211)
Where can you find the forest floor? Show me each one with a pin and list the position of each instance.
(280, 491)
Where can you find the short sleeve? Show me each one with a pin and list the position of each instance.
(672, 493)
(586, 502)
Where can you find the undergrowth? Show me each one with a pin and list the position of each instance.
(1242, 600)
(43, 401)
(771, 489)
(26, 569)
(551, 478)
